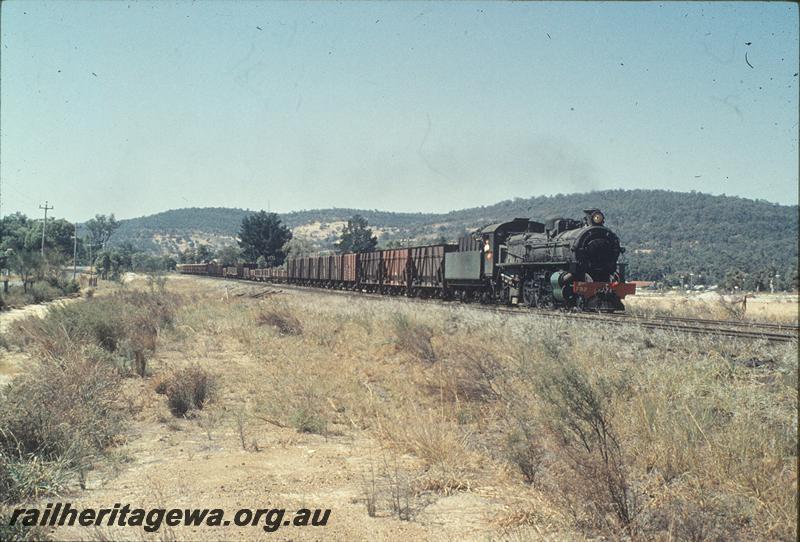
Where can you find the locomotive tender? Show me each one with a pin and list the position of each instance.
(563, 263)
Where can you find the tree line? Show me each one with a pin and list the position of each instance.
(25, 254)
(265, 240)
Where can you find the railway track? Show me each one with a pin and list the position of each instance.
(737, 329)
(697, 326)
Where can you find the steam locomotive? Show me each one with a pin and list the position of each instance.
(562, 263)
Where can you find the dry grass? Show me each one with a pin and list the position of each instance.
(758, 307)
(62, 415)
(620, 434)
(580, 431)
(281, 319)
(125, 325)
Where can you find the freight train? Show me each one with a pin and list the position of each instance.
(561, 263)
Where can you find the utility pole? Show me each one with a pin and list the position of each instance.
(75, 253)
(91, 266)
(44, 224)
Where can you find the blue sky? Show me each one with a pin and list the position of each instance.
(138, 107)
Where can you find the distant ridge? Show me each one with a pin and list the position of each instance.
(664, 231)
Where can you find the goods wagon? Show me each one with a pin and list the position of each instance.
(369, 273)
(349, 269)
(332, 269)
(427, 268)
(316, 265)
(395, 270)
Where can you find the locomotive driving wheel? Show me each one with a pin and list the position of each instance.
(530, 293)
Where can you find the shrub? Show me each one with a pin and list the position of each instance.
(281, 319)
(414, 338)
(55, 420)
(71, 287)
(63, 285)
(577, 412)
(42, 291)
(307, 420)
(63, 409)
(188, 389)
(126, 324)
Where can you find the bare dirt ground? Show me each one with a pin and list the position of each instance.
(200, 463)
(176, 465)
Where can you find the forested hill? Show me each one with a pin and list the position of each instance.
(665, 232)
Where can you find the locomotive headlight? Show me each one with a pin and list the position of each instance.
(598, 218)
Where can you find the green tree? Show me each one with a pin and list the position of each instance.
(356, 236)
(186, 256)
(20, 233)
(733, 279)
(101, 228)
(298, 246)
(141, 262)
(229, 255)
(24, 263)
(58, 236)
(14, 230)
(203, 253)
(103, 264)
(263, 234)
(168, 263)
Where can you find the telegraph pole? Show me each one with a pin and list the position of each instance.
(91, 265)
(75, 253)
(44, 224)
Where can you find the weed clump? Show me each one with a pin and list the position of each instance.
(577, 412)
(42, 291)
(125, 324)
(469, 372)
(307, 420)
(55, 420)
(19, 532)
(281, 319)
(29, 477)
(414, 338)
(524, 450)
(188, 389)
